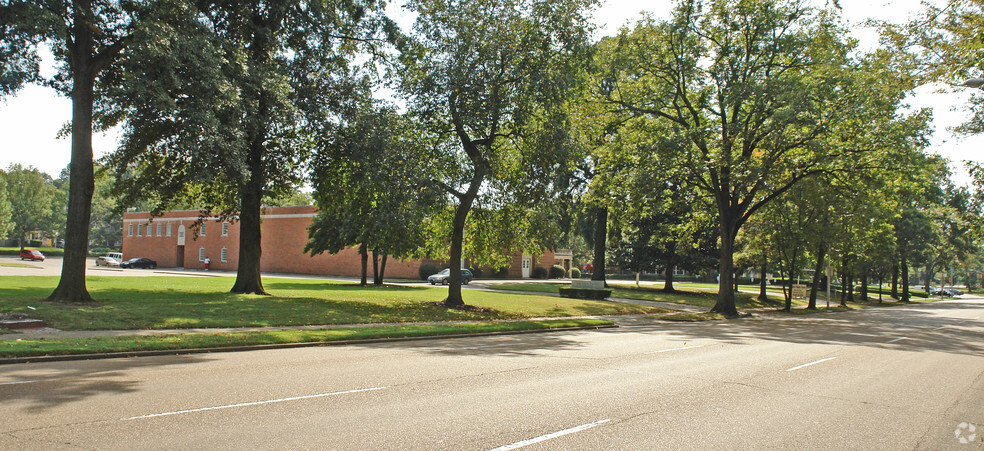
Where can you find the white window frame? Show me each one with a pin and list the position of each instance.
(225, 230)
(139, 229)
(201, 230)
(158, 229)
(168, 229)
(201, 254)
(224, 255)
(129, 230)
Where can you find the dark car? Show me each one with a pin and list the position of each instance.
(31, 254)
(139, 262)
(444, 277)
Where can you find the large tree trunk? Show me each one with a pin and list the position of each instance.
(248, 279)
(817, 271)
(376, 275)
(600, 244)
(668, 280)
(364, 257)
(725, 304)
(904, 268)
(458, 235)
(382, 268)
(763, 284)
(864, 286)
(793, 267)
(895, 280)
(71, 285)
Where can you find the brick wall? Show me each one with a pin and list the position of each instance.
(284, 234)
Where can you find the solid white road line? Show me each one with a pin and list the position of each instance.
(675, 349)
(550, 436)
(811, 363)
(897, 339)
(254, 403)
(18, 382)
(941, 327)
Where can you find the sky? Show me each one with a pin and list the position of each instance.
(31, 120)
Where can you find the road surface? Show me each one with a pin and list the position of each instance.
(892, 378)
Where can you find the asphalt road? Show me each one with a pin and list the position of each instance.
(893, 378)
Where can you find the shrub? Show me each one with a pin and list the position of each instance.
(501, 273)
(557, 272)
(540, 272)
(426, 270)
(575, 273)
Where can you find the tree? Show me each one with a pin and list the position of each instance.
(492, 77)
(942, 45)
(371, 180)
(6, 209)
(752, 86)
(106, 224)
(87, 37)
(227, 107)
(30, 194)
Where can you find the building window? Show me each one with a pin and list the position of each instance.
(139, 229)
(129, 230)
(224, 255)
(158, 230)
(225, 230)
(168, 230)
(201, 254)
(201, 230)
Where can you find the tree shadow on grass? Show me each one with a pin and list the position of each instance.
(43, 386)
(340, 286)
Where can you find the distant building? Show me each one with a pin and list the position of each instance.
(170, 240)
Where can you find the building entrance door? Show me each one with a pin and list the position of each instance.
(527, 261)
(179, 261)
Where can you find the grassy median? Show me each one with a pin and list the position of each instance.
(168, 342)
(193, 302)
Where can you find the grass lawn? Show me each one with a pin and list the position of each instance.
(26, 348)
(684, 295)
(191, 302)
(19, 265)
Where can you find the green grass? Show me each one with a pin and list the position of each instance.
(692, 317)
(30, 348)
(19, 265)
(684, 295)
(192, 302)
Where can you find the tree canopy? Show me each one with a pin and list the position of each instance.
(491, 78)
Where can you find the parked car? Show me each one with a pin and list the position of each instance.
(139, 262)
(106, 260)
(31, 254)
(444, 277)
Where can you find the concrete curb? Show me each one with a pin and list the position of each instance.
(117, 355)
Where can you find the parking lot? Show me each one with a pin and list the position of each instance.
(12, 265)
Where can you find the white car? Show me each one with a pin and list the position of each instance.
(107, 261)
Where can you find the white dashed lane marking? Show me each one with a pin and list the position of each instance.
(254, 403)
(551, 435)
(18, 382)
(811, 363)
(675, 349)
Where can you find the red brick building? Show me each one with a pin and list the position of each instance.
(171, 241)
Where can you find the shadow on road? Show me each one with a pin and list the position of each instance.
(918, 327)
(53, 385)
